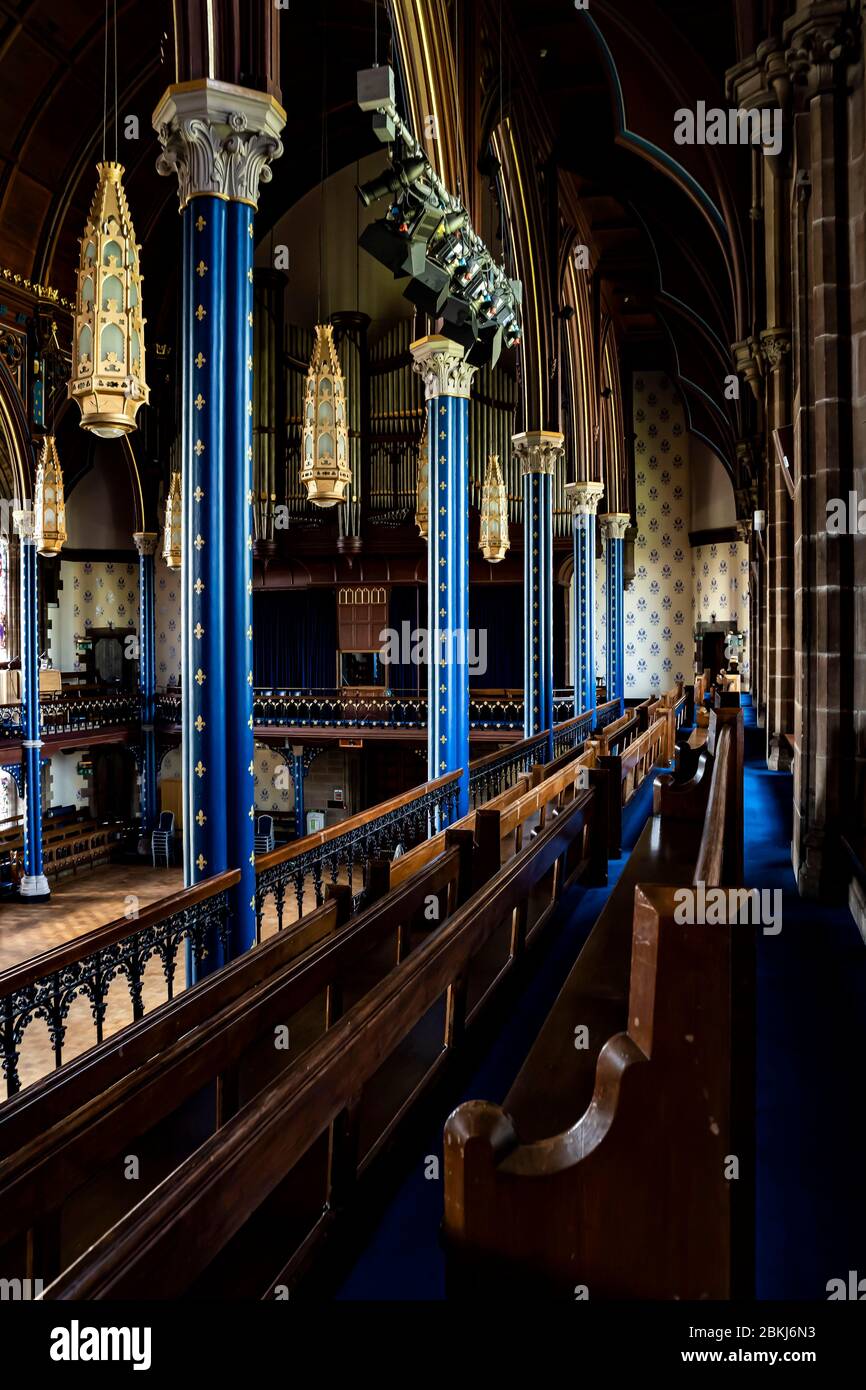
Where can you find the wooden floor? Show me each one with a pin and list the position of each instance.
(79, 904)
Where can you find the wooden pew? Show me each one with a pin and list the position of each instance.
(604, 1170)
(500, 831)
(243, 1215)
(160, 1087)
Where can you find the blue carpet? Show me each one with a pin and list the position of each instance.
(403, 1260)
(811, 1006)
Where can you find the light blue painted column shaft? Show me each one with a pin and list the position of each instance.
(614, 526)
(539, 452)
(34, 884)
(584, 498)
(447, 378)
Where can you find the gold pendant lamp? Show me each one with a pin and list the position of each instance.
(494, 514)
(49, 501)
(325, 468)
(108, 378)
(172, 530)
(422, 492)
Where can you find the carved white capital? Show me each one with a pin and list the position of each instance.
(441, 364)
(539, 451)
(584, 497)
(219, 139)
(614, 525)
(25, 525)
(145, 542)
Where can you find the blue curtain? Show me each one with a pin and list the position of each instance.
(295, 640)
(408, 605)
(496, 613)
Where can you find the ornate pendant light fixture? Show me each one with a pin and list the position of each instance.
(108, 379)
(49, 501)
(422, 492)
(494, 514)
(325, 468)
(171, 535)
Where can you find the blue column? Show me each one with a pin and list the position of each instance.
(207, 850)
(299, 772)
(34, 884)
(538, 452)
(447, 378)
(614, 527)
(585, 498)
(238, 562)
(219, 139)
(145, 544)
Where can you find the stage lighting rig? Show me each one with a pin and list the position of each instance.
(427, 235)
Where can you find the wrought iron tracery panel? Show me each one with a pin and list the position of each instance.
(51, 996)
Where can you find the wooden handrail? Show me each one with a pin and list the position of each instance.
(183, 1224)
(49, 962)
(333, 832)
(513, 750)
(710, 865)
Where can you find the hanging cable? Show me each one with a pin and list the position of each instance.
(105, 87)
(116, 85)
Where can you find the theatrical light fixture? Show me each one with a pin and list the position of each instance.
(172, 532)
(325, 468)
(108, 379)
(49, 502)
(427, 237)
(494, 538)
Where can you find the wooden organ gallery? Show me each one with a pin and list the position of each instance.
(430, 688)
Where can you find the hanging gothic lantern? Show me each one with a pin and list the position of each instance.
(422, 491)
(171, 536)
(325, 466)
(49, 501)
(494, 513)
(108, 380)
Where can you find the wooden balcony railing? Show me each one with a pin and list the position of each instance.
(287, 876)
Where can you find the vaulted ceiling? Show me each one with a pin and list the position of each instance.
(667, 219)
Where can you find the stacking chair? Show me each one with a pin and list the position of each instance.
(264, 836)
(162, 837)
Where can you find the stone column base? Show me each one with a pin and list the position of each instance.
(780, 757)
(34, 888)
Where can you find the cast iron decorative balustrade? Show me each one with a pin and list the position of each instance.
(495, 773)
(388, 710)
(336, 854)
(490, 776)
(73, 710)
(47, 987)
(339, 709)
(572, 734)
(606, 714)
(10, 721)
(169, 705)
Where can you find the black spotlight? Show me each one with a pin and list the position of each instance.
(483, 345)
(401, 176)
(430, 289)
(391, 248)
